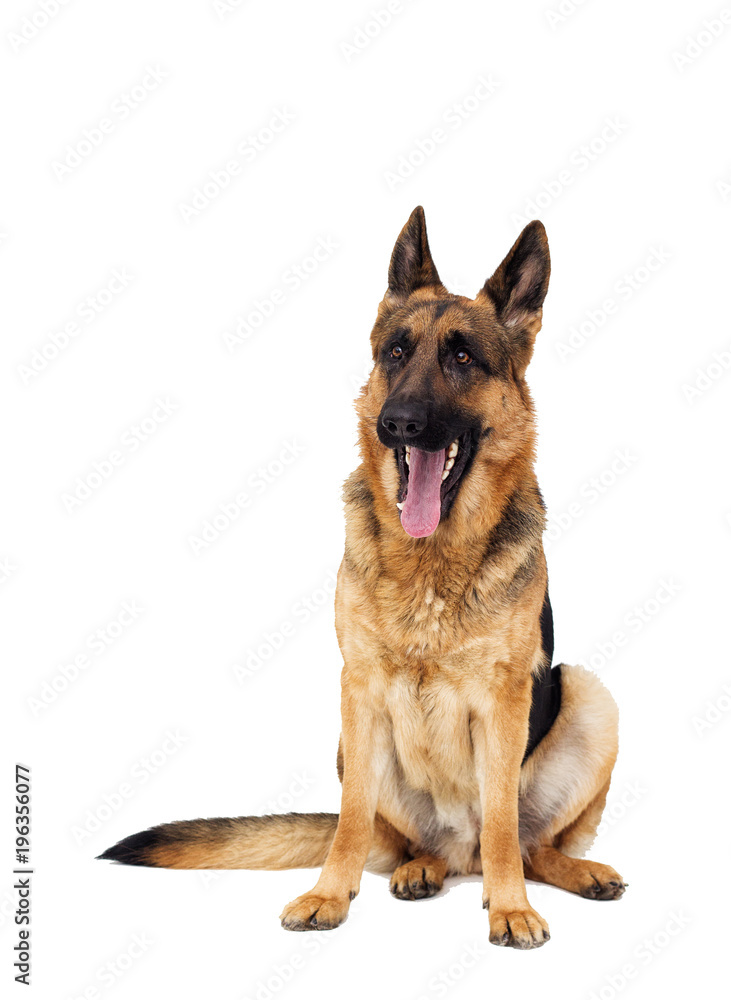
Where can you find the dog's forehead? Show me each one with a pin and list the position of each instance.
(451, 312)
(437, 318)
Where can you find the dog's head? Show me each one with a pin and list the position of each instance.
(447, 395)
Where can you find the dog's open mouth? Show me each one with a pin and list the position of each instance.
(429, 481)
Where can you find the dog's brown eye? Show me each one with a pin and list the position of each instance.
(463, 358)
(397, 351)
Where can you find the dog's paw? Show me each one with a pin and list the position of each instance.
(415, 880)
(601, 882)
(314, 913)
(522, 929)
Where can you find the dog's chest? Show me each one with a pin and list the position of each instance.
(430, 722)
(428, 615)
(422, 622)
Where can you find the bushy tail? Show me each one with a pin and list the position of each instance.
(293, 840)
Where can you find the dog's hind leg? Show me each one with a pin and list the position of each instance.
(587, 878)
(422, 876)
(564, 785)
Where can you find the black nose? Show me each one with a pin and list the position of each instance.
(404, 418)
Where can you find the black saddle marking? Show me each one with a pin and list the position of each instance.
(546, 699)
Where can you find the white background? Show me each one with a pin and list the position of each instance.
(644, 381)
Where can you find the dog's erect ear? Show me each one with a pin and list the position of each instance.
(518, 287)
(412, 266)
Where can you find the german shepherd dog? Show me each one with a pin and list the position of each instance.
(461, 751)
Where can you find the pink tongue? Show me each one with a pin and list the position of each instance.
(422, 507)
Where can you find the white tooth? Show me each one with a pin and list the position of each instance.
(444, 475)
(408, 460)
(453, 449)
(448, 464)
(400, 506)
(408, 449)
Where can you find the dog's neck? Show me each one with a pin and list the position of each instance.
(504, 509)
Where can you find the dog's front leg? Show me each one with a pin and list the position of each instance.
(364, 754)
(500, 734)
